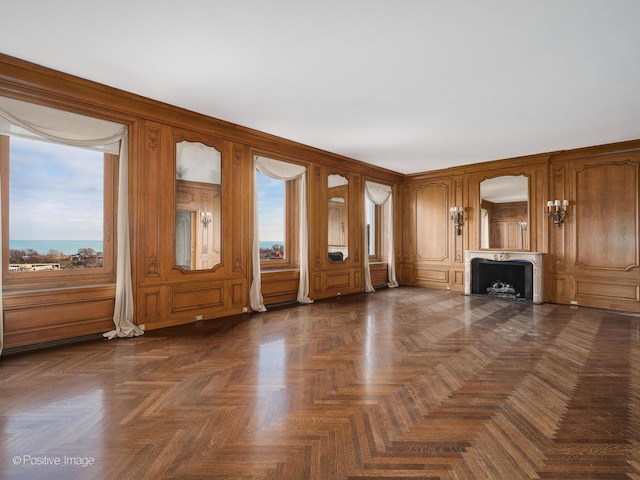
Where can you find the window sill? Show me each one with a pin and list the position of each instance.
(264, 270)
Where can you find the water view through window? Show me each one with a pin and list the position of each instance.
(272, 217)
(56, 206)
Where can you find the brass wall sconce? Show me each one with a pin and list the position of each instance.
(456, 218)
(523, 225)
(206, 218)
(557, 210)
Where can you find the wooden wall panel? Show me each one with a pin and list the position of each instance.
(186, 298)
(338, 280)
(56, 314)
(558, 234)
(431, 222)
(280, 286)
(149, 201)
(604, 262)
(436, 247)
(238, 201)
(458, 240)
(238, 294)
(607, 216)
(612, 290)
(432, 275)
(379, 274)
(152, 304)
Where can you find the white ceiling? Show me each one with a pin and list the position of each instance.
(409, 85)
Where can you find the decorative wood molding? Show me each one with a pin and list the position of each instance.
(152, 265)
(152, 138)
(558, 174)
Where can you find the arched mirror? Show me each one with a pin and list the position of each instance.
(338, 217)
(198, 229)
(504, 212)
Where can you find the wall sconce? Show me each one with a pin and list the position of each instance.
(557, 210)
(206, 218)
(523, 225)
(456, 218)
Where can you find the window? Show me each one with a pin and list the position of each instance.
(370, 213)
(376, 230)
(58, 203)
(277, 216)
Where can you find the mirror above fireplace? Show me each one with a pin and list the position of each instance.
(504, 213)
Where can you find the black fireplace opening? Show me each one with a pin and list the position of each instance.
(515, 273)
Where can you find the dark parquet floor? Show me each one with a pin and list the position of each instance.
(403, 383)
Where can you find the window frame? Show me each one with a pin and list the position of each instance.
(71, 277)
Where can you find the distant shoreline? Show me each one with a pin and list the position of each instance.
(268, 244)
(68, 247)
(71, 247)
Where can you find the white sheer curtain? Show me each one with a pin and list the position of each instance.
(381, 195)
(31, 120)
(280, 170)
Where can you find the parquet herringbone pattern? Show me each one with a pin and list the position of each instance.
(402, 383)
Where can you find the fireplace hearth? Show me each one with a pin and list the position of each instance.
(508, 280)
(519, 271)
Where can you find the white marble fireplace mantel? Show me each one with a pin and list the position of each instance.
(536, 258)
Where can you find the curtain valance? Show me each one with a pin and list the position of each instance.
(30, 120)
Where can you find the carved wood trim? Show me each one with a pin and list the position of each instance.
(238, 200)
(152, 265)
(149, 173)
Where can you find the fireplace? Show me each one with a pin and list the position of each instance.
(518, 271)
(509, 279)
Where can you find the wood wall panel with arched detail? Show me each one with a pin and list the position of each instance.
(604, 267)
(607, 222)
(436, 250)
(432, 222)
